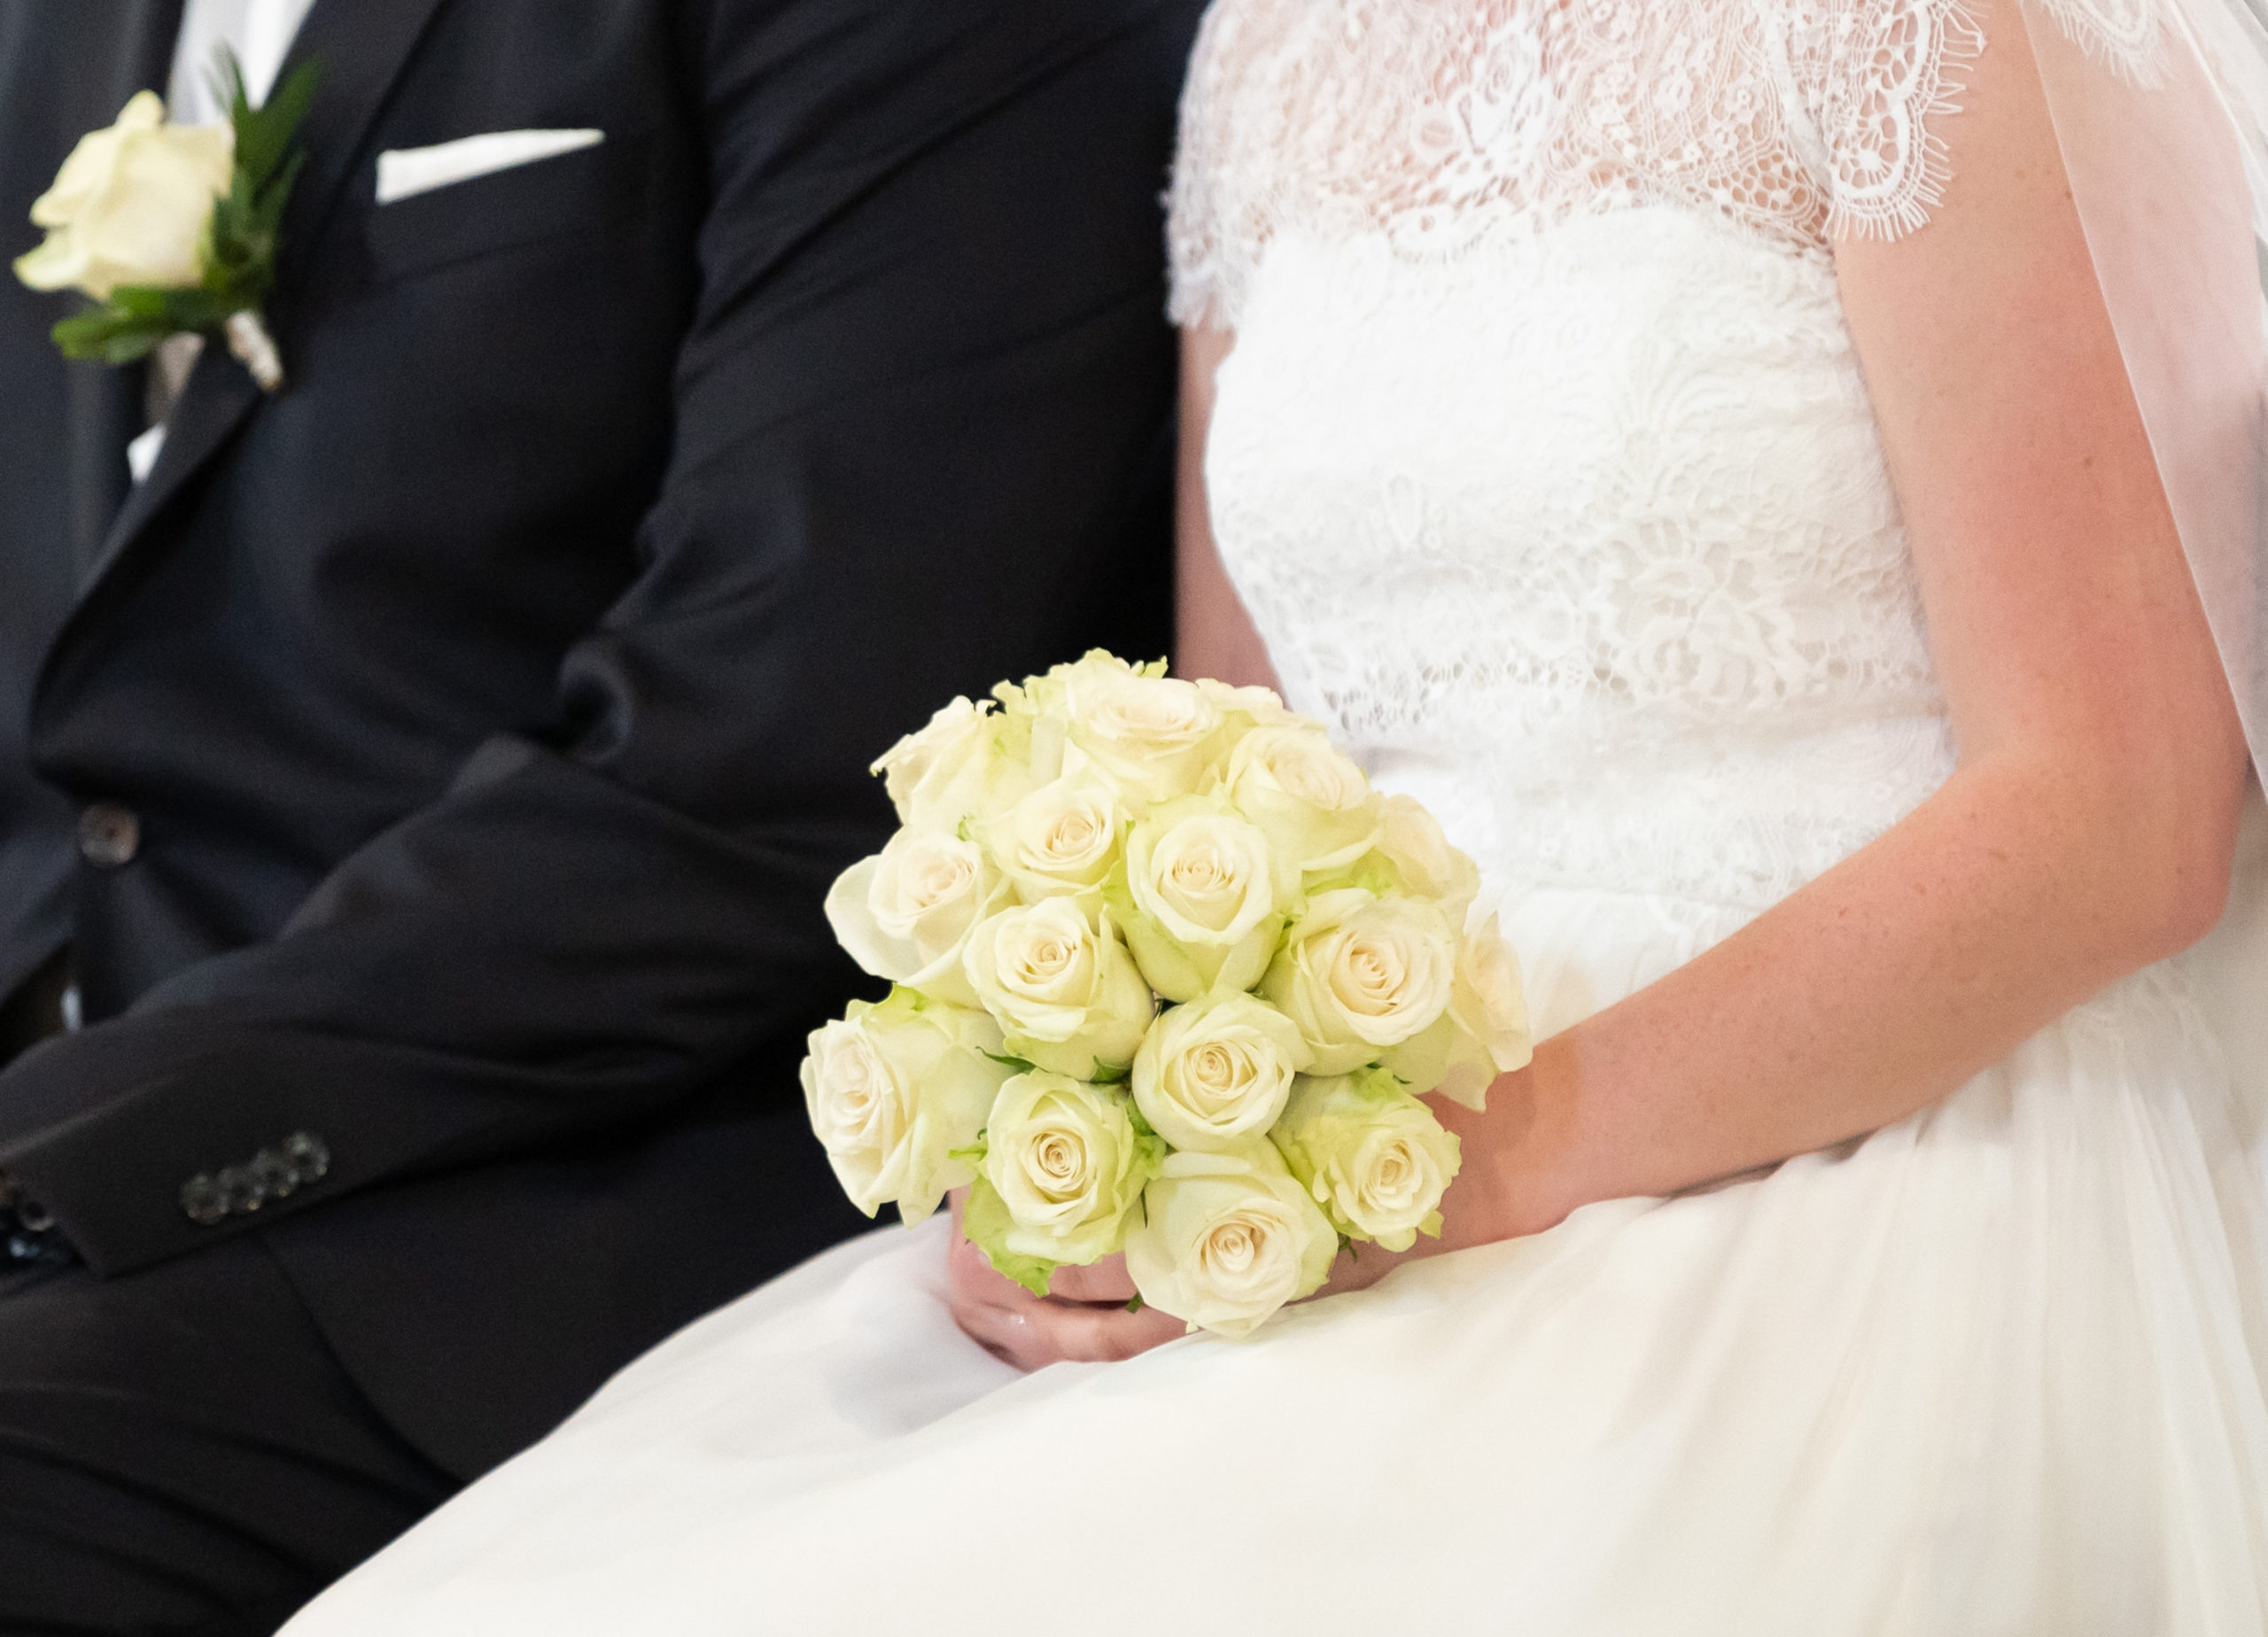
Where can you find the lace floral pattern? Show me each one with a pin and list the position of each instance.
(1544, 461)
(1437, 123)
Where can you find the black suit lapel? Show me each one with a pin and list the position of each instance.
(104, 55)
(362, 48)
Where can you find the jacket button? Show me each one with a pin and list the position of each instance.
(109, 835)
(202, 1202)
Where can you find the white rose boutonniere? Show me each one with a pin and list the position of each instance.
(1228, 1239)
(131, 203)
(893, 1089)
(1374, 1156)
(169, 228)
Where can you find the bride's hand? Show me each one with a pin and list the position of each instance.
(1084, 1317)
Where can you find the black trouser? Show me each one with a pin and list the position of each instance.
(180, 1453)
(34, 1010)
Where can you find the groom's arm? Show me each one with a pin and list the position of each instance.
(917, 414)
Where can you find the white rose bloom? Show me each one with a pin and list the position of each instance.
(1199, 904)
(1217, 1072)
(1315, 806)
(1067, 994)
(893, 1089)
(1361, 972)
(1412, 841)
(1226, 1239)
(1489, 1002)
(1062, 840)
(1066, 1161)
(1484, 1032)
(131, 204)
(1374, 1156)
(908, 912)
(970, 761)
(1260, 707)
(1155, 737)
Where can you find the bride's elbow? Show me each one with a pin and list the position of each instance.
(2129, 847)
(2170, 858)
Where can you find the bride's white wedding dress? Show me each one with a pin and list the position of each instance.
(1546, 468)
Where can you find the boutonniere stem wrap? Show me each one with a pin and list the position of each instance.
(173, 228)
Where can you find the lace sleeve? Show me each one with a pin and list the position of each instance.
(1210, 241)
(1880, 75)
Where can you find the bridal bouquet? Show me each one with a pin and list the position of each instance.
(1170, 978)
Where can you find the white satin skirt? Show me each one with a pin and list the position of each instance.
(1998, 1369)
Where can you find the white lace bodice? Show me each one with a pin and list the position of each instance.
(1543, 460)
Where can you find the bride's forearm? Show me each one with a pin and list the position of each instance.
(2008, 897)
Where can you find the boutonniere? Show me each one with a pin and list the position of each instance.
(172, 228)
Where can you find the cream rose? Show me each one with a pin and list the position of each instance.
(1154, 737)
(1483, 1034)
(1066, 1159)
(1374, 1156)
(1314, 805)
(1258, 707)
(1360, 974)
(131, 204)
(1198, 899)
(893, 1089)
(1412, 841)
(1226, 1239)
(1216, 1072)
(1062, 840)
(1068, 995)
(906, 914)
(970, 761)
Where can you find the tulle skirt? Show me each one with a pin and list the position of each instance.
(1997, 1369)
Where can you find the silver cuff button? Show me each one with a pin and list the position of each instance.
(109, 835)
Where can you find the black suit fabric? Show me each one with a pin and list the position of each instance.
(494, 706)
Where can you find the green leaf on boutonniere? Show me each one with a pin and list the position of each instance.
(242, 243)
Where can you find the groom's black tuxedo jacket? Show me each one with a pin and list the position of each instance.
(447, 757)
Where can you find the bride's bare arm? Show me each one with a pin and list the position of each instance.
(1214, 636)
(2090, 827)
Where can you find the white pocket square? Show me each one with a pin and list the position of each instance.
(404, 173)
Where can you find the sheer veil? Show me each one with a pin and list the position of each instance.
(2160, 107)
